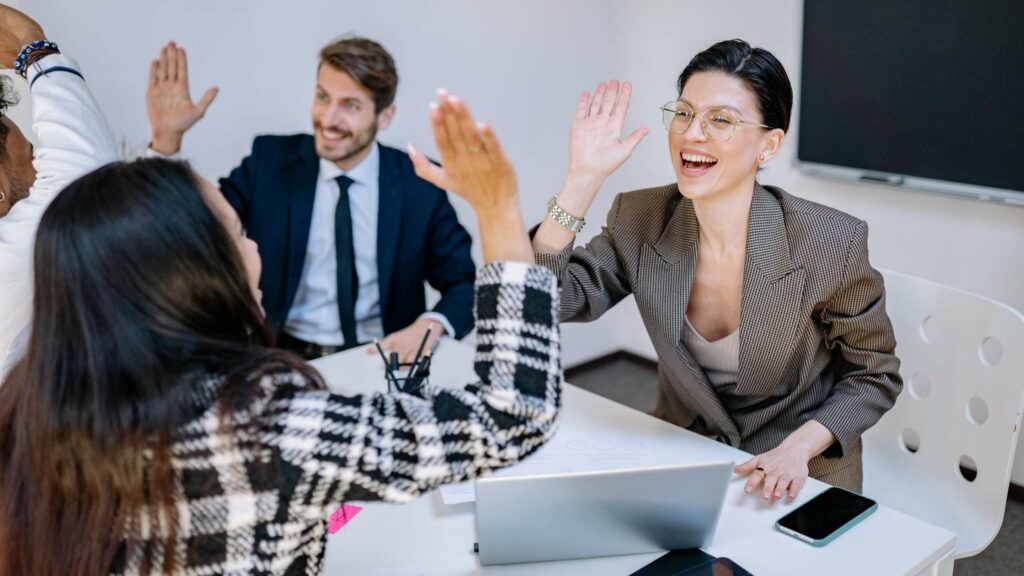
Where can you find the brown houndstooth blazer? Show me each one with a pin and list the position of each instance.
(815, 341)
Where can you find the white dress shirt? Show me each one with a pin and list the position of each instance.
(313, 316)
(73, 139)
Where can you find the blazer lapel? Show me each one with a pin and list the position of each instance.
(772, 294)
(300, 185)
(389, 219)
(667, 272)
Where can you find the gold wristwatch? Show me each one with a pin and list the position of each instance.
(571, 222)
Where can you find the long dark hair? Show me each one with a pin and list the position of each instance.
(140, 301)
(758, 68)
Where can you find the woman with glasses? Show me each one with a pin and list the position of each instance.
(768, 320)
(150, 427)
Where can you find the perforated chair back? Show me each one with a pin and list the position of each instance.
(944, 453)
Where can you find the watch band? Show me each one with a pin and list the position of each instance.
(571, 222)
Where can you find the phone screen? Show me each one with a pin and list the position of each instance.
(825, 513)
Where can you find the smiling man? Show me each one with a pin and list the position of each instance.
(348, 233)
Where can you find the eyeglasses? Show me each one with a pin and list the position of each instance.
(718, 124)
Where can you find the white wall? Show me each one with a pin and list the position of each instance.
(520, 66)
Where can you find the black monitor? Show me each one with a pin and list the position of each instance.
(921, 93)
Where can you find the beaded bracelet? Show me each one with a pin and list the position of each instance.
(21, 63)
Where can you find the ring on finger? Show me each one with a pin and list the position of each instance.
(474, 149)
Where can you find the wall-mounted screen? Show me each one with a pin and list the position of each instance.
(920, 93)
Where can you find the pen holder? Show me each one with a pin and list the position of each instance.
(409, 384)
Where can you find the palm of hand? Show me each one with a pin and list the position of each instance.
(596, 146)
(170, 107)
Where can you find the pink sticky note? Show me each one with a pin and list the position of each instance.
(341, 517)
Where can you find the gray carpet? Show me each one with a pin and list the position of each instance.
(634, 383)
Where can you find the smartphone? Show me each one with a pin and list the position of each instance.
(823, 518)
(691, 562)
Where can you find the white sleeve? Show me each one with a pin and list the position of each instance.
(73, 139)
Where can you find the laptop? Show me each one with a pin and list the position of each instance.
(604, 513)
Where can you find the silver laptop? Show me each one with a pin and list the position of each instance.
(605, 513)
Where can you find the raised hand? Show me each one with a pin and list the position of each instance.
(476, 168)
(168, 101)
(596, 146)
(16, 30)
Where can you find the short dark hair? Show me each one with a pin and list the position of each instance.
(8, 98)
(758, 68)
(368, 63)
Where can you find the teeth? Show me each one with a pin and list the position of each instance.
(699, 158)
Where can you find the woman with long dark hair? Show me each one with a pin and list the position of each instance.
(150, 429)
(767, 317)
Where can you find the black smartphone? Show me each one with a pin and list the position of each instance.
(691, 562)
(823, 518)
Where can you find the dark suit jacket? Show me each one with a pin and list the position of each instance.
(419, 237)
(815, 341)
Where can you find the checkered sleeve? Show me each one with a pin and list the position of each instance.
(395, 446)
(860, 335)
(592, 278)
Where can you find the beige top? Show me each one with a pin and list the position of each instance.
(719, 359)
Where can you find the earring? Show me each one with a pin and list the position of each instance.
(760, 158)
(2, 196)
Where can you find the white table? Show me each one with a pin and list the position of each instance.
(430, 538)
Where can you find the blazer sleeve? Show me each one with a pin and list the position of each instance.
(240, 185)
(450, 269)
(859, 333)
(395, 446)
(591, 278)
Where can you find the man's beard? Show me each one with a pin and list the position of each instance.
(18, 189)
(359, 145)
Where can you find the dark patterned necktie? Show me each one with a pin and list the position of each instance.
(348, 280)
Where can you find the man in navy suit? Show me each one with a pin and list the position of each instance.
(348, 233)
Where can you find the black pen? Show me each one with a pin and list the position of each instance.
(387, 365)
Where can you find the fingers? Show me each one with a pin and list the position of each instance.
(161, 65)
(206, 100)
(467, 128)
(756, 476)
(182, 70)
(581, 105)
(427, 170)
(794, 488)
(154, 67)
(747, 467)
(441, 139)
(634, 139)
(172, 62)
(452, 122)
(622, 102)
(611, 96)
(595, 103)
(491, 144)
(769, 482)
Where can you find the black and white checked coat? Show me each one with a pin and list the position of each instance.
(815, 341)
(261, 505)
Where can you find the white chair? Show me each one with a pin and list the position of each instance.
(944, 453)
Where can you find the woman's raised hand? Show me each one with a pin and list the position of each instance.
(475, 167)
(596, 146)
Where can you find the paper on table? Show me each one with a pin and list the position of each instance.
(566, 452)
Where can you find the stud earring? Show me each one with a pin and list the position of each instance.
(760, 158)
